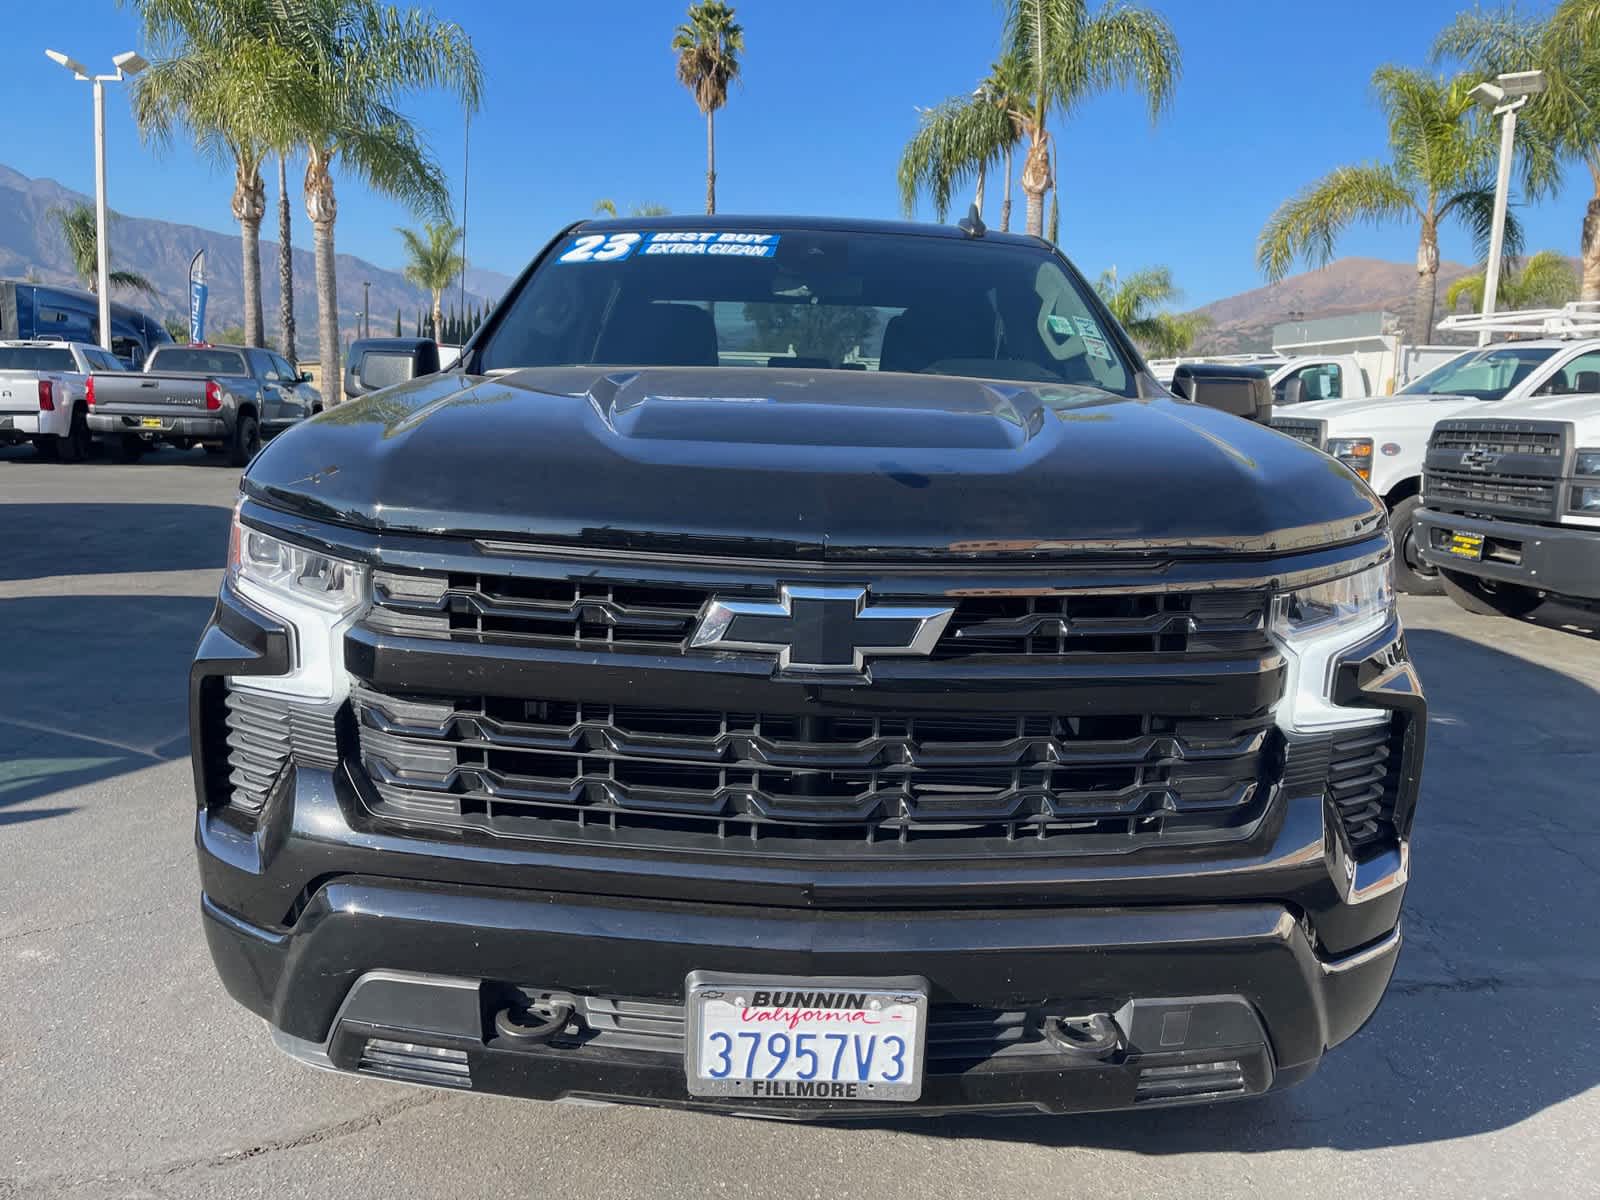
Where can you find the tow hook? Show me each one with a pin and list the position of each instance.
(1095, 1037)
(533, 1023)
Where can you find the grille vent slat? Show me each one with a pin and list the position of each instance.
(1362, 782)
(264, 733)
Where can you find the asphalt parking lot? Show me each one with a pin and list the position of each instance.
(126, 1072)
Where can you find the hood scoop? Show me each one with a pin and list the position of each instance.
(792, 407)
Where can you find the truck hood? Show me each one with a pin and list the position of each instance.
(1583, 409)
(1358, 416)
(777, 462)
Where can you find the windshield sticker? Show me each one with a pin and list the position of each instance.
(1088, 328)
(736, 245)
(600, 247)
(1061, 325)
(1098, 349)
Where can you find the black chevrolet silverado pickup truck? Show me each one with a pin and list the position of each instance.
(807, 668)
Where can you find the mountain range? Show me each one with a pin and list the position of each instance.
(31, 246)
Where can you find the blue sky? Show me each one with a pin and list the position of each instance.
(582, 103)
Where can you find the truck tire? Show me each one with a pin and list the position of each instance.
(46, 448)
(246, 440)
(1411, 574)
(1487, 598)
(131, 448)
(76, 445)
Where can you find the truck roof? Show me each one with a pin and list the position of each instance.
(759, 224)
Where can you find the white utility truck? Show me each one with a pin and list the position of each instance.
(1385, 440)
(1336, 358)
(1511, 497)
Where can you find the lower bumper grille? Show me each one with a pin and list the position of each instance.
(564, 768)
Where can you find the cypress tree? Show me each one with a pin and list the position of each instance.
(397, 322)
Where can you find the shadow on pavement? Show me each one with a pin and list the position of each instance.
(100, 539)
(1489, 1019)
(93, 687)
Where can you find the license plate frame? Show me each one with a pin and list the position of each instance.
(907, 995)
(1465, 545)
(152, 423)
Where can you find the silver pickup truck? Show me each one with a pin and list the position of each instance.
(225, 398)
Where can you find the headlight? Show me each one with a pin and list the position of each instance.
(317, 595)
(1312, 626)
(1588, 463)
(1586, 499)
(1355, 453)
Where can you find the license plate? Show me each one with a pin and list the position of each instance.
(150, 423)
(1465, 545)
(781, 1038)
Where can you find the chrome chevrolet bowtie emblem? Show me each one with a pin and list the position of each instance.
(1479, 458)
(821, 629)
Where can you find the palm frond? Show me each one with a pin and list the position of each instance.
(951, 142)
(1123, 47)
(1308, 225)
(1474, 207)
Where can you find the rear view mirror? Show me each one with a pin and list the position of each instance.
(1242, 391)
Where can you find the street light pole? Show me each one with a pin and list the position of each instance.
(128, 65)
(366, 308)
(1504, 96)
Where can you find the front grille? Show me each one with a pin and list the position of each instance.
(1309, 432)
(1470, 490)
(510, 610)
(1540, 439)
(264, 733)
(965, 782)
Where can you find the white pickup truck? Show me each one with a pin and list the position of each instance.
(1511, 504)
(1384, 440)
(42, 395)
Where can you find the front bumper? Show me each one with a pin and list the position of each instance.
(1214, 1001)
(1561, 559)
(1262, 960)
(207, 428)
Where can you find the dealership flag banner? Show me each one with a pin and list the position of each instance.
(197, 298)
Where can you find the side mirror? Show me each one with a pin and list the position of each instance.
(1242, 391)
(380, 366)
(1294, 390)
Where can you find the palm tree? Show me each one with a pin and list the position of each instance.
(963, 137)
(285, 263)
(1564, 122)
(205, 61)
(609, 208)
(434, 259)
(1442, 167)
(708, 47)
(1071, 54)
(77, 225)
(1545, 280)
(342, 68)
(1135, 302)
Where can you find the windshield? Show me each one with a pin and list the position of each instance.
(35, 358)
(1486, 375)
(196, 360)
(818, 300)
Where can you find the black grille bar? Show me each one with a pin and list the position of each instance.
(514, 611)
